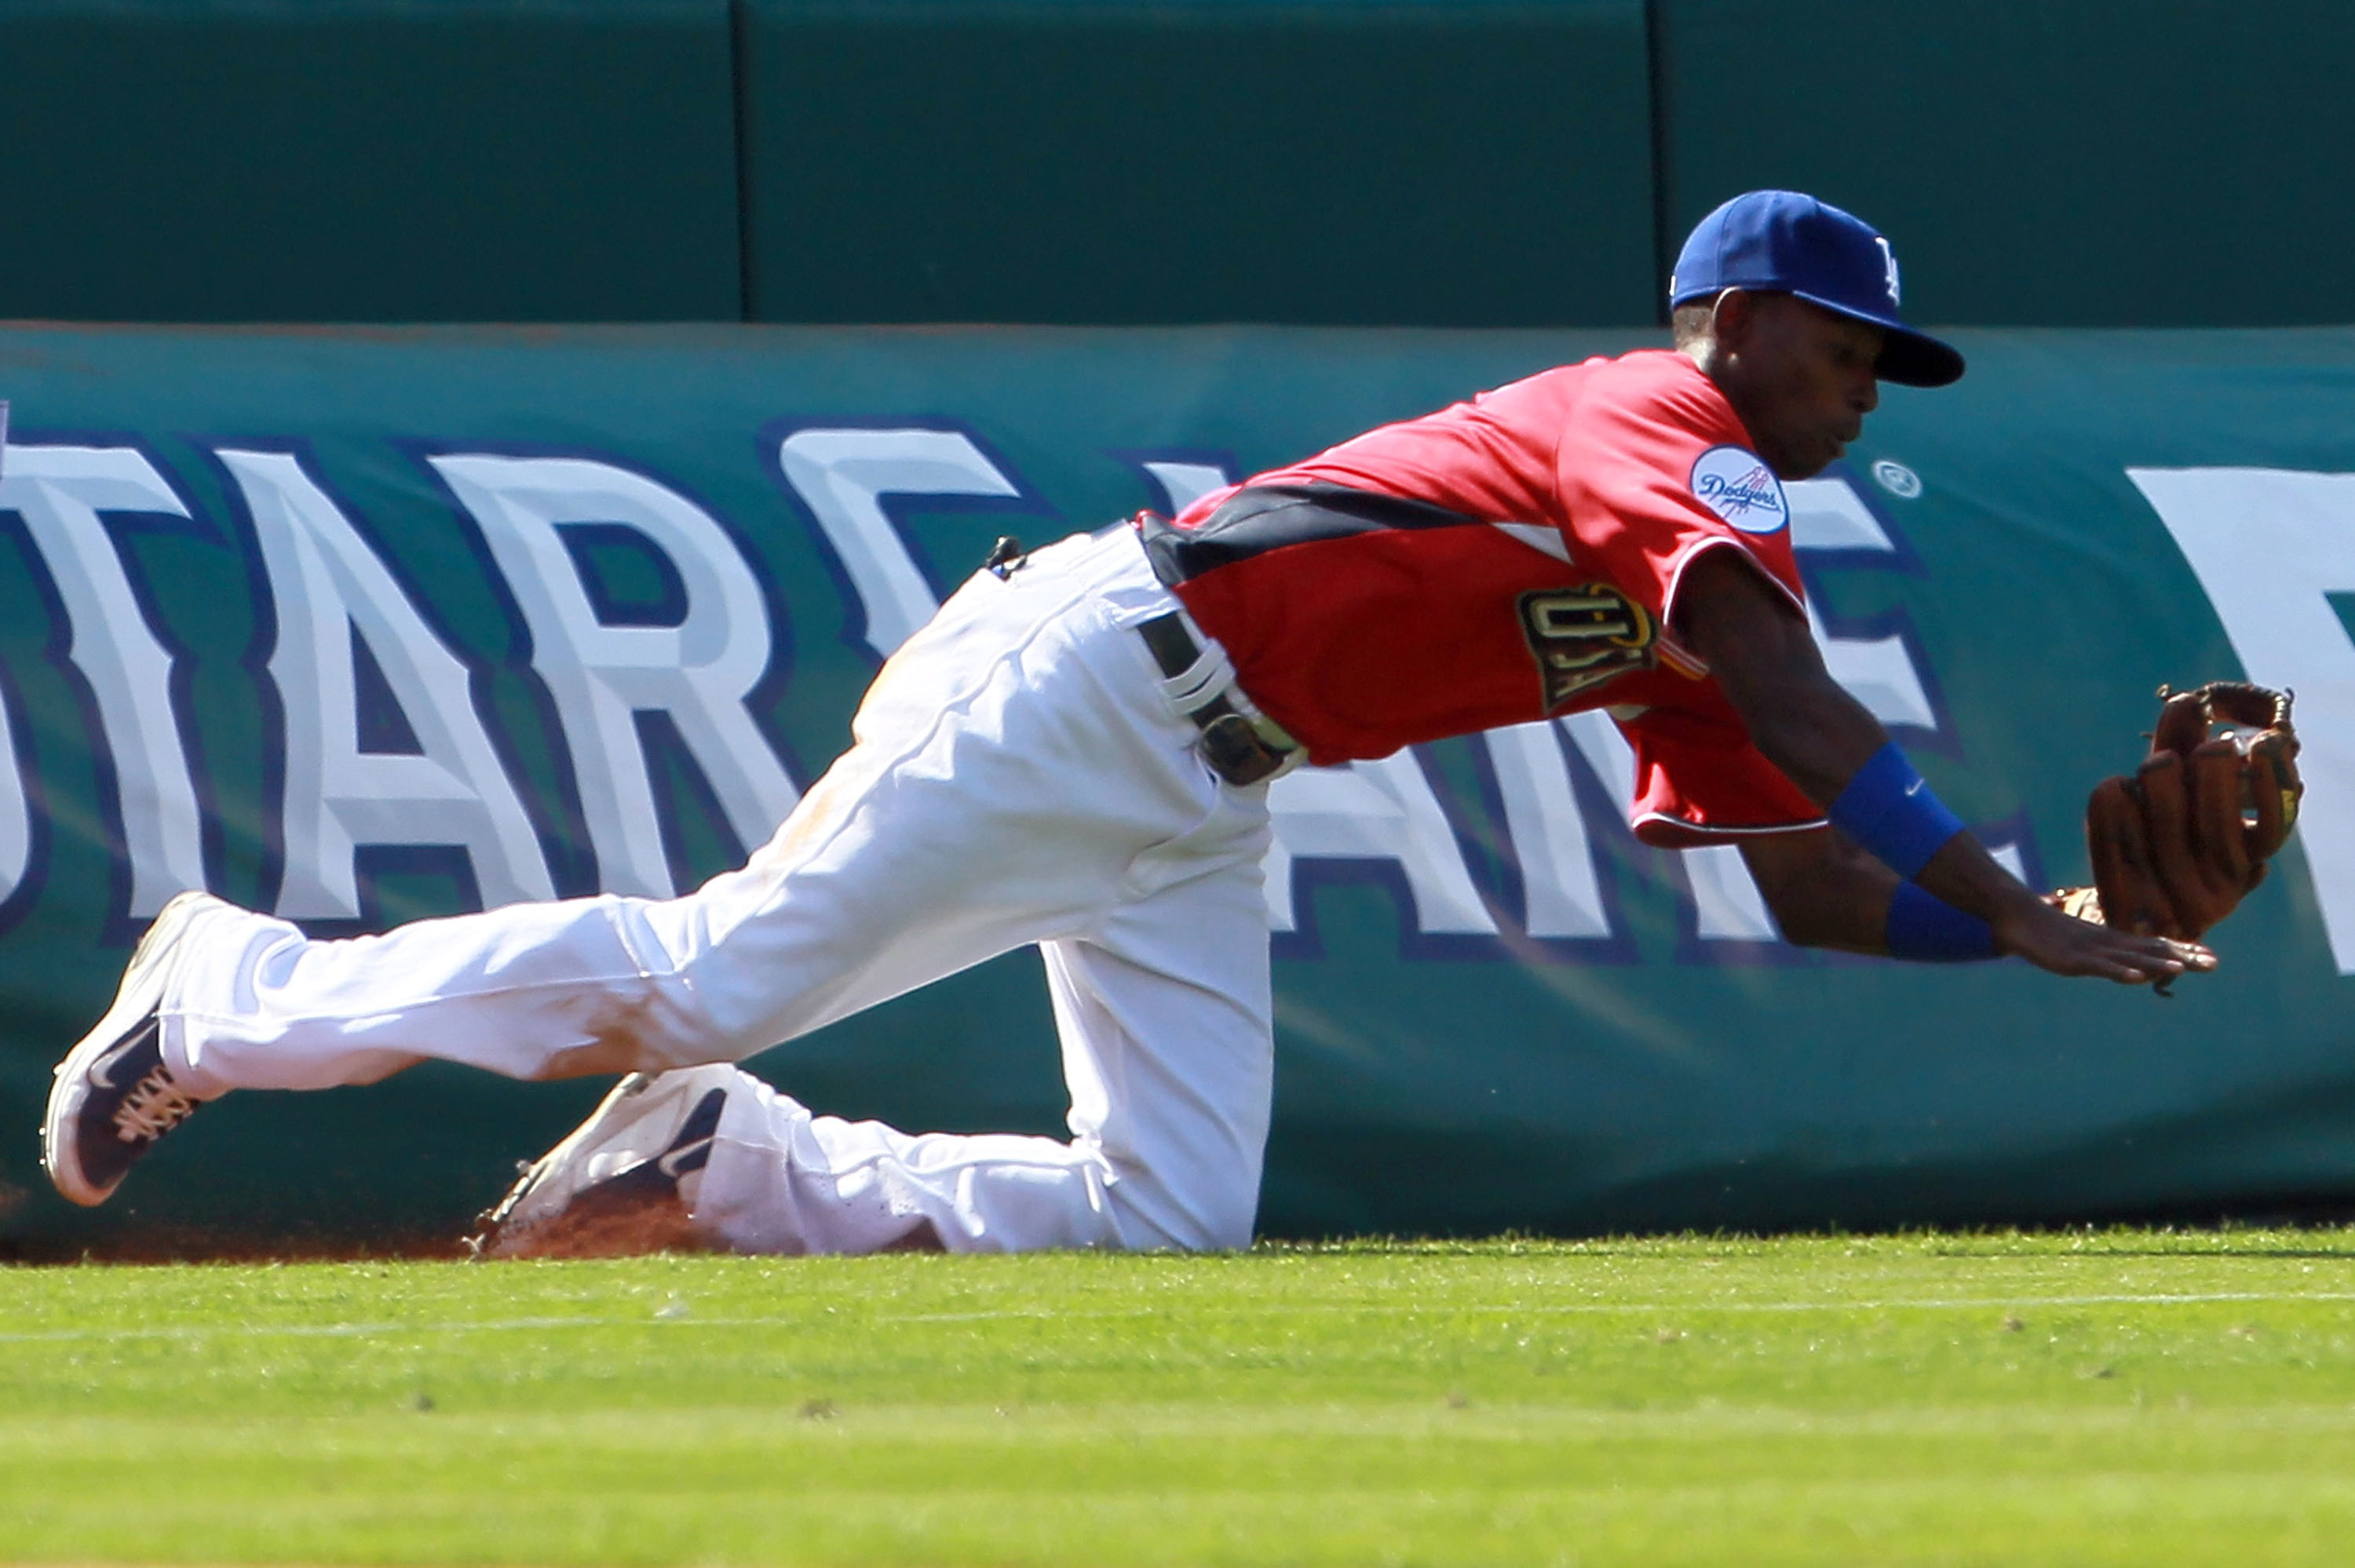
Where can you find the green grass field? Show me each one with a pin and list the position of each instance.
(2128, 1397)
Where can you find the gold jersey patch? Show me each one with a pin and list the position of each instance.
(1583, 636)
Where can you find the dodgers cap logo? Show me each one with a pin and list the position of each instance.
(1786, 242)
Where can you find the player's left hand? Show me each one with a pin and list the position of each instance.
(2040, 933)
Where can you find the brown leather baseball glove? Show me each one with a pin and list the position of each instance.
(2177, 846)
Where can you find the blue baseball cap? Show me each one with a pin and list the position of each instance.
(1784, 242)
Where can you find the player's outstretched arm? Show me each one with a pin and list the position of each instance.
(1823, 890)
(1826, 893)
(1759, 648)
(1964, 875)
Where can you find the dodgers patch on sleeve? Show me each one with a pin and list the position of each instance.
(1737, 485)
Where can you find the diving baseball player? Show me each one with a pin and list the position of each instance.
(1075, 752)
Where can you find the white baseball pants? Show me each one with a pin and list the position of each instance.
(1018, 776)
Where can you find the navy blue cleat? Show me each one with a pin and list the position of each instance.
(114, 1098)
(625, 1182)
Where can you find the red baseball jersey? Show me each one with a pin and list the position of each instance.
(1503, 560)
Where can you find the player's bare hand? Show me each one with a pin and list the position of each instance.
(2068, 946)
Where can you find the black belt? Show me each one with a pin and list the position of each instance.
(1237, 749)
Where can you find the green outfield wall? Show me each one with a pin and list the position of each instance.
(1475, 162)
(1440, 162)
(368, 160)
(2097, 162)
(322, 620)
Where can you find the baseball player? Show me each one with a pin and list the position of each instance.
(1075, 754)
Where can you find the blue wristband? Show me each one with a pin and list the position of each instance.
(1890, 810)
(1926, 928)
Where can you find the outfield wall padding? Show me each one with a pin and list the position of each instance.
(321, 620)
(2100, 162)
(1445, 163)
(368, 160)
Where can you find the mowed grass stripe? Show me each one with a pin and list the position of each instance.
(855, 1424)
(686, 1320)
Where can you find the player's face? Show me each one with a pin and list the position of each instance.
(1801, 379)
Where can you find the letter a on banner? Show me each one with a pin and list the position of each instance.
(328, 586)
(697, 671)
(1380, 811)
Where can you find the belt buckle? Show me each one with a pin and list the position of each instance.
(1237, 752)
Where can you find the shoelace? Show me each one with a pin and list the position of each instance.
(153, 1107)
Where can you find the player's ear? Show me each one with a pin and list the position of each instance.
(1733, 318)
